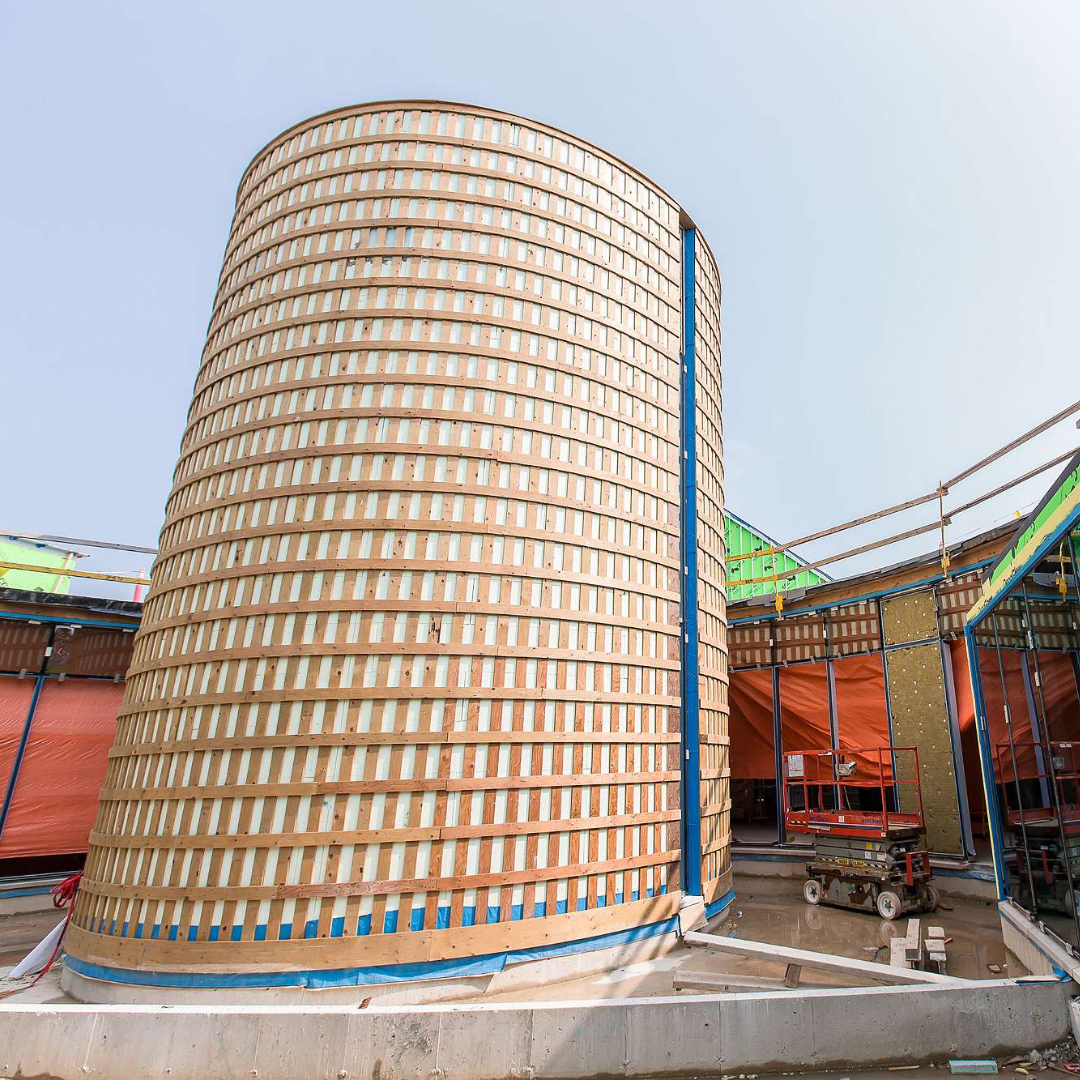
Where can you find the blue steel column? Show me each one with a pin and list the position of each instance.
(778, 754)
(691, 768)
(986, 759)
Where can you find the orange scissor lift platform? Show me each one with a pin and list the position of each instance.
(1040, 784)
(863, 806)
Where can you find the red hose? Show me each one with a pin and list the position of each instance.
(63, 896)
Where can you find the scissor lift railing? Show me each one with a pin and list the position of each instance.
(1040, 786)
(826, 780)
(1028, 767)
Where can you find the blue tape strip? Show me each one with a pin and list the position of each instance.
(368, 976)
(719, 904)
(11, 894)
(691, 733)
(73, 621)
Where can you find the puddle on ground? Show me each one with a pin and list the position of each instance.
(784, 919)
(774, 911)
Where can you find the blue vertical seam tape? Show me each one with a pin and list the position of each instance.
(689, 766)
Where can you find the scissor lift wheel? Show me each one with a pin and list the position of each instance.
(811, 891)
(888, 904)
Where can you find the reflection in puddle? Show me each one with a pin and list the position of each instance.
(782, 919)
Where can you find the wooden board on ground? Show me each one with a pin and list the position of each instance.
(825, 961)
(722, 980)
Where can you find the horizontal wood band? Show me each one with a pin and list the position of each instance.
(237, 743)
(373, 888)
(359, 787)
(135, 705)
(417, 607)
(431, 650)
(382, 836)
(326, 953)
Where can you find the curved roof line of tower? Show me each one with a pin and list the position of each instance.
(293, 128)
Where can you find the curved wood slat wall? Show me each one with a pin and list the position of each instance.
(407, 683)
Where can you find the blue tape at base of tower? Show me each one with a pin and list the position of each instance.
(391, 973)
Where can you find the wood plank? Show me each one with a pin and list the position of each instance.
(720, 980)
(824, 961)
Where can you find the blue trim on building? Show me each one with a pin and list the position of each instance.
(986, 760)
(48, 620)
(767, 613)
(1001, 591)
(1005, 586)
(12, 894)
(688, 550)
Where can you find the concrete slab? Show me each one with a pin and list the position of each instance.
(707, 1035)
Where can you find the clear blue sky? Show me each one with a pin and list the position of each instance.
(891, 191)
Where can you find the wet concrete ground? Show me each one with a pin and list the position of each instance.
(770, 910)
(774, 911)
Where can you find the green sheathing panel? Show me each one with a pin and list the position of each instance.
(1053, 516)
(33, 555)
(1063, 496)
(743, 539)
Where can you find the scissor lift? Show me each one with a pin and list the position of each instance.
(863, 806)
(1042, 841)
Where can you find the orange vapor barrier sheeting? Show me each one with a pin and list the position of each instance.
(969, 736)
(804, 708)
(1012, 662)
(862, 714)
(1059, 696)
(751, 725)
(56, 794)
(15, 695)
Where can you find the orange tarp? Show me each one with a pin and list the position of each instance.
(15, 695)
(1012, 663)
(55, 801)
(1059, 696)
(804, 708)
(862, 715)
(751, 725)
(969, 739)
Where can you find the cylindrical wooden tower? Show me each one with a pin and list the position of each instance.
(407, 696)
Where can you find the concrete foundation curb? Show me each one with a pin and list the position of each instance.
(705, 1036)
